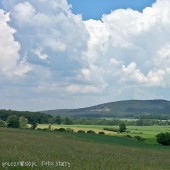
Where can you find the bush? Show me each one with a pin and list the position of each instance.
(2, 123)
(163, 138)
(80, 131)
(69, 130)
(45, 129)
(111, 129)
(101, 133)
(62, 130)
(91, 131)
(127, 136)
(139, 138)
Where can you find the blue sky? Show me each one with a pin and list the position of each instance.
(52, 58)
(94, 9)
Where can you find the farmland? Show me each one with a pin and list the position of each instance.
(147, 132)
(82, 151)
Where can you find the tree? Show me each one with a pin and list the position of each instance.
(122, 127)
(23, 122)
(163, 138)
(13, 122)
(34, 125)
(2, 123)
(140, 122)
(58, 120)
(68, 121)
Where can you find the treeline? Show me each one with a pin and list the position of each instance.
(35, 117)
(42, 118)
(112, 122)
(31, 116)
(154, 116)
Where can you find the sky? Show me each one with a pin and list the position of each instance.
(94, 9)
(58, 54)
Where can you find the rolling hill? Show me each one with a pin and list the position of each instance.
(126, 108)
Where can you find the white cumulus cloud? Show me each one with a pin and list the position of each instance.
(124, 55)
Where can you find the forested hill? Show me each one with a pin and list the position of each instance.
(127, 108)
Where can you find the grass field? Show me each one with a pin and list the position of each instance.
(82, 151)
(147, 132)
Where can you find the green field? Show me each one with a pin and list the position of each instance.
(147, 132)
(82, 151)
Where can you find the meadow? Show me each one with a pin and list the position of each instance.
(147, 132)
(80, 151)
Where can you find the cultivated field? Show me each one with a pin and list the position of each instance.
(79, 151)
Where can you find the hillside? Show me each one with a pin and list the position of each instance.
(127, 108)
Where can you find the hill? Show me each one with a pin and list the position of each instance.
(127, 108)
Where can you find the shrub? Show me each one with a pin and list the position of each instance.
(80, 131)
(111, 129)
(91, 132)
(127, 136)
(69, 130)
(45, 129)
(163, 138)
(2, 123)
(49, 126)
(139, 138)
(101, 133)
(62, 130)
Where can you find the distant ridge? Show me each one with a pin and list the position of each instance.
(124, 108)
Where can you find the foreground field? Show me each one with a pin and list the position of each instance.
(147, 132)
(82, 151)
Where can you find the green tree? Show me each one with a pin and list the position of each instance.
(2, 123)
(34, 125)
(163, 138)
(122, 127)
(140, 122)
(68, 121)
(58, 120)
(13, 121)
(23, 122)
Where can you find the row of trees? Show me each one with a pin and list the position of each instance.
(31, 116)
(132, 122)
(14, 122)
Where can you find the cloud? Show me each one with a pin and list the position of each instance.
(54, 54)
(137, 43)
(9, 49)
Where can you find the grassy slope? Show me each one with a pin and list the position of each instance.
(83, 151)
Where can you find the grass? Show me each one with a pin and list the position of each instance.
(82, 151)
(147, 132)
